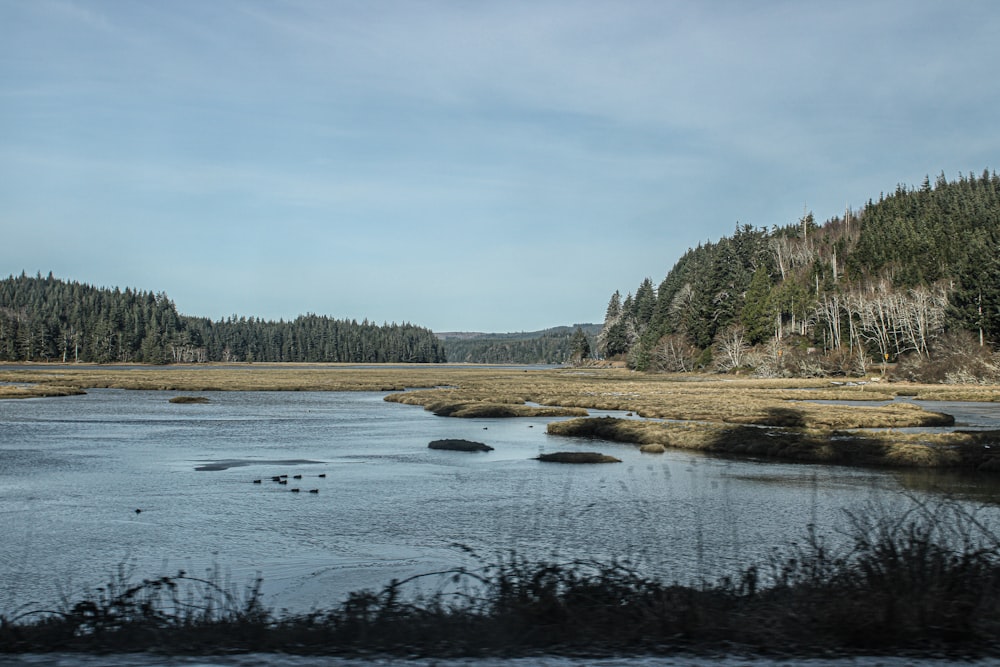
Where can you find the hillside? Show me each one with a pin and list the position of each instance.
(912, 278)
(46, 319)
(549, 346)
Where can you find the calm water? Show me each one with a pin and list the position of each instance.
(74, 470)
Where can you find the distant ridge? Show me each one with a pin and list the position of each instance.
(548, 346)
(590, 329)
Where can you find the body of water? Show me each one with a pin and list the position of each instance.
(74, 470)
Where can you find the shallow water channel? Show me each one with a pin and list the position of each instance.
(74, 470)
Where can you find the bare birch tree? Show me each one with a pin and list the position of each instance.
(733, 348)
(673, 354)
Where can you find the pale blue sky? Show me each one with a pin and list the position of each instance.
(475, 165)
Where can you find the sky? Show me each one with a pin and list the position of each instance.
(474, 165)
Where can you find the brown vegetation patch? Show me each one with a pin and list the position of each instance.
(443, 404)
(578, 457)
(189, 399)
(460, 446)
(38, 391)
(962, 449)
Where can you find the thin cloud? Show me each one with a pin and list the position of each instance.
(518, 145)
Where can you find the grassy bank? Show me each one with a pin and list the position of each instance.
(38, 391)
(926, 579)
(971, 450)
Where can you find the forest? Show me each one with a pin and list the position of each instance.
(47, 319)
(550, 346)
(910, 282)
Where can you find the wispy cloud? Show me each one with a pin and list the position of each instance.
(511, 142)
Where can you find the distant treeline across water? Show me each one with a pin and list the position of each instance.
(47, 319)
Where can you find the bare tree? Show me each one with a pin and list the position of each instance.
(829, 312)
(780, 248)
(673, 354)
(733, 348)
(923, 314)
(897, 322)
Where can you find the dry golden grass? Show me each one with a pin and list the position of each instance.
(249, 377)
(977, 449)
(722, 414)
(37, 391)
(763, 402)
(479, 391)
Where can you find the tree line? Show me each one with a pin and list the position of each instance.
(557, 345)
(47, 319)
(891, 282)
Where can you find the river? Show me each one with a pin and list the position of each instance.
(75, 470)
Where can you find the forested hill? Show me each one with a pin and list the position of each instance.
(46, 319)
(557, 345)
(907, 277)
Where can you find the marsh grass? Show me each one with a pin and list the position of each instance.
(924, 578)
(446, 407)
(779, 419)
(38, 391)
(978, 450)
(189, 399)
(478, 391)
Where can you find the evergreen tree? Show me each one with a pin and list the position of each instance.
(758, 316)
(580, 347)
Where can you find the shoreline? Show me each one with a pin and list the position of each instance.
(958, 450)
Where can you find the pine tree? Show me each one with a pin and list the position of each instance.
(580, 347)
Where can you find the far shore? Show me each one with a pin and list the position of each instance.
(720, 414)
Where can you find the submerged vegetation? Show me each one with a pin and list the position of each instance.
(458, 445)
(189, 399)
(577, 457)
(925, 578)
